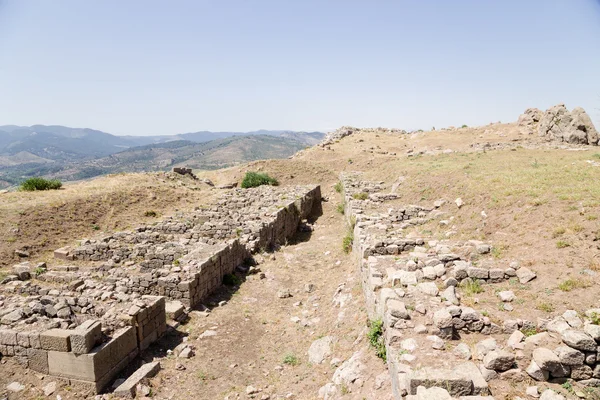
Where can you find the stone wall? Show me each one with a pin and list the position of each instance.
(86, 323)
(85, 354)
(414, 286)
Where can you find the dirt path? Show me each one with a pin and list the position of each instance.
(262, 340)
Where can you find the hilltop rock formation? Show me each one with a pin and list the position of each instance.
(558, 124)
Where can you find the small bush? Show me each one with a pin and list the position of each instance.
(545, 306)
(340, 208)
(464, 126)
(596, 155)
(375, 336)
(39, 271)
(338, 187)
(595, 318)
(529, 331)
(37, 183)
(255, 179)
(570, 284)
(348, 240)
(150, 213)
(561, 244)
(472, 287)
(231, 280)
(291, 359)
(360, 196)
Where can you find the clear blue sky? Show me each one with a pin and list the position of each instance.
(150, 67)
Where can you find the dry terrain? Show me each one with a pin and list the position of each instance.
(535, 202)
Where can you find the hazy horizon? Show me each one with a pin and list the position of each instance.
(154, 68)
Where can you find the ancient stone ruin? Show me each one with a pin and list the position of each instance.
(111, 297)
(414, 286)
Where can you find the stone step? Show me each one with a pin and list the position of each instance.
(127, 389)
(464, 379)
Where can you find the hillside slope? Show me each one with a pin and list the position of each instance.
(534, 201)
(214, 154)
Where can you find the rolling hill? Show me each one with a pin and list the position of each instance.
(209, 155)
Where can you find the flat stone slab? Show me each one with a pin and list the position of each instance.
(174, 309)
(127, 388)
(455, 383)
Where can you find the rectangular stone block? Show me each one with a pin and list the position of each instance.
(70, 365)
(23, 339)
(56, 340)
(147, 341)
(64, 253)
(8, 337)
(86, 336)
(94, 366)
(128, 388)
(38, 360)
(455, 383)
(34, 340)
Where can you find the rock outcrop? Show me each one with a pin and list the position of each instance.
(558, 124)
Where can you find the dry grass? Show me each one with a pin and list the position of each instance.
(44, 221)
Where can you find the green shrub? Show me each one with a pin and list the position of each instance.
(570, 284)
(375, 336)
(37, 183)
(360, 196)
(338, 187)
(254, 179)
(340, 208)
(231, 280)
(291, 359)
(348, 240)
(472, 286)
(530, 331)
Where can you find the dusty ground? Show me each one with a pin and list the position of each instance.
(540, 204)
(40, 222)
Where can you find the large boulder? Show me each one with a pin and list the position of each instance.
(558, 124)
(530, 119)
(583, 123)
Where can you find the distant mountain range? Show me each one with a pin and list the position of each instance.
(79, 153)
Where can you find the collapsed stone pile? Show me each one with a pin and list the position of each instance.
(558, 124)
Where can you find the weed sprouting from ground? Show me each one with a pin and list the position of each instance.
(360, 196)
(529, 331)
(231, 280)
(150, 213)
(340, 208)
(254, 179)
(36, 183)
(376, 340)
(570, 284)
(472, 287)
(545, 306)
(349, 238)
(347, 241)
(291, 359)
(561, 244)
(338, 187)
